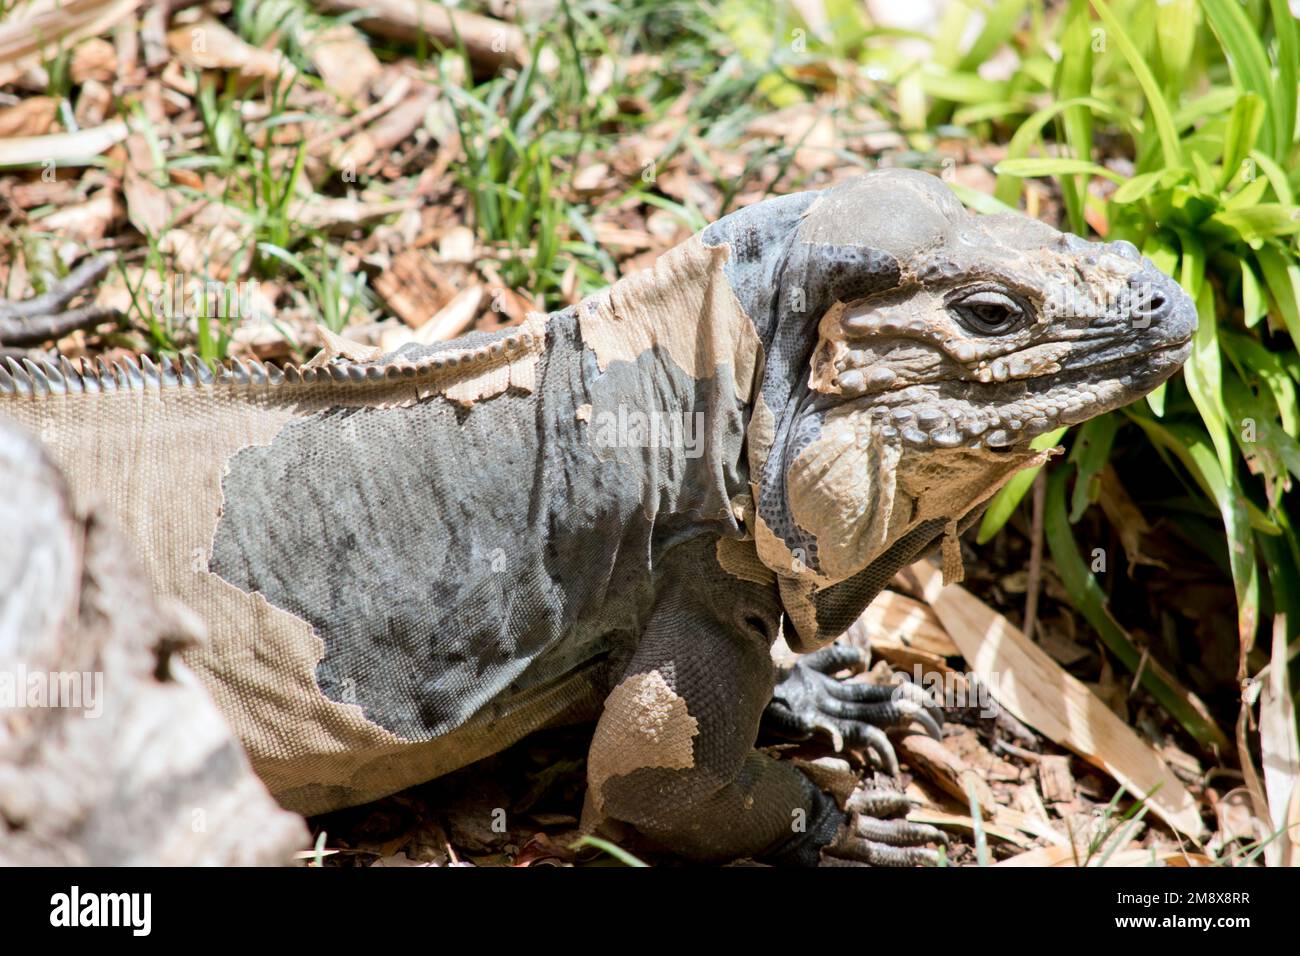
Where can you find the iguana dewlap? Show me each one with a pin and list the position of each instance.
(409, 564)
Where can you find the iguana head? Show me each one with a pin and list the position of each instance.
(944, 342)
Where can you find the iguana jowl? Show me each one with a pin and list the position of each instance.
(409, 564)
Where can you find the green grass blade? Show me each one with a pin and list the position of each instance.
(1004, 503)
(1090, 454)
(1288, 63)
(1046, 166)
(1246, 57)
(1170, 145)
(617, 852)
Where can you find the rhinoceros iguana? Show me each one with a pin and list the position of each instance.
(613, 510)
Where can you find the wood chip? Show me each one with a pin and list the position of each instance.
(210, 45)
(1055, 778)
(33, 116)
(940, 765)
(490, 43)
(94, 59)
(415, 287)
(453, 318)
(344, 60)
(36, 31)
(457, 245)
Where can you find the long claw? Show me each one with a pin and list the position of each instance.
(899, 832)
(874, 802)
(878, 854)
(836, 657)
(874, 739)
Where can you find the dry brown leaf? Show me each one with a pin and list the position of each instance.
(337, 346)
(87, 221)
(1036, 690)
(321, 213)
(960, 821)
(94, 59)
(1125, 517)
(414, 287)
(894, 618)
(210, 45)
(1131, 855)
(344, 60)
(33, 116)
(35, 31)
(1280, 753)
(946, 769)
(147, 205)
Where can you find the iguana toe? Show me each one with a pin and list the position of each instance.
(808, 698)
(876, 834)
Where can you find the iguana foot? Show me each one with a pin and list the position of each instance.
(808, 698)
(45, 317)
(875, 833)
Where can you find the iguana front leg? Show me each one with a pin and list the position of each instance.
(673, 754)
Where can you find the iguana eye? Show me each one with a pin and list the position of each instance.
(988, 312)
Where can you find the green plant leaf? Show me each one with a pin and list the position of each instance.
(1137, 187)
(1170, 145)
(1031, 132)
(1090, 453)
(1203, 375)
(1246, 58)
(1284, 97)
(1260, 222)
(999, 24)
(1244, 123)
(1176, 22)
(1254, 304)
(1282, 276)
(1074, 80)
(1044, 166)
(1007, 499)
(1276, 177)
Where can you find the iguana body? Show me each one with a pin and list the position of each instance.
(407, 565)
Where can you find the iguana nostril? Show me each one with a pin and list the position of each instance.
(1148, 302)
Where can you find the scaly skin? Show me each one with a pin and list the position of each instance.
(408, 564)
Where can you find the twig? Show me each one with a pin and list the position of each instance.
(46, 316)
(1034, 583)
